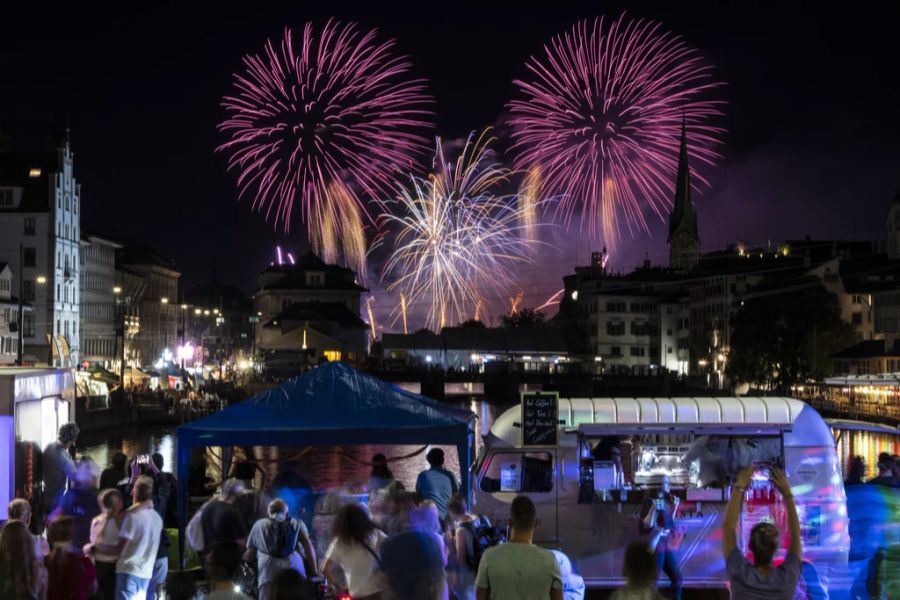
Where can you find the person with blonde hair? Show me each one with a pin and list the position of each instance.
(22, 577)
(761, 580)
(105, 530)
(137, 544)
(20, 509)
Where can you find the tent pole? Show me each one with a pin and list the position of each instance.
(183, 469)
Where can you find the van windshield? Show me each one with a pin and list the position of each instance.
(688, 460)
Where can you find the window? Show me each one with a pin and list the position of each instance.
(29, 225)
(615, 328)
(857, 299)
(332, 355)
(7, 198)
(639, 328)
(638, 351)
(28, 289)
(615, 306)
(615, 350)
(518, 472)
(856, 318)
(28, 325)
(28, 258)
(669, 350)
(668, 332)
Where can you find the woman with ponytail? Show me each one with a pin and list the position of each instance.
(276, 542)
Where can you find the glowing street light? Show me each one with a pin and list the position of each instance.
(117, 290)
(41, 279)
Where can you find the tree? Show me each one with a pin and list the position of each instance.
(472, 324)
(786, 333)
(525, 317)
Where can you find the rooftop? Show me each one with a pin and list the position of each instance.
(868, 349)
(334, 312)
(539, 340)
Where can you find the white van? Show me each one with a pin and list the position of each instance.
(611, 452)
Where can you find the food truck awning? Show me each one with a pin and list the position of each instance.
(721, 429)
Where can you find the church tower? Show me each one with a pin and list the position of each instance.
(893, 229)
(684, 241)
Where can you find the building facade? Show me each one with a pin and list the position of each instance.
(308, 311)
(40, 208)
(98, 300)
(9, 317)
(219, 321)
(149, 303)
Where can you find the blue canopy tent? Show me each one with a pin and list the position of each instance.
(333, 404)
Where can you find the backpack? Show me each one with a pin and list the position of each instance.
(484, 536)
(280, 539)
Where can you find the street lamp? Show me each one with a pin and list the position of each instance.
(117, 290)
(164, 300)
(41, 279)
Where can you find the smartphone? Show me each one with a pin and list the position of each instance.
(143, 459)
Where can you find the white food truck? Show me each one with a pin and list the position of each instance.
(589, 463)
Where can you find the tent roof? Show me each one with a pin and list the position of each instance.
(335, 404)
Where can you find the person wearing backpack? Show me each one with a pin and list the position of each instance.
(274, 543)
(463, 549)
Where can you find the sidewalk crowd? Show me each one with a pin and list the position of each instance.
(113, 542)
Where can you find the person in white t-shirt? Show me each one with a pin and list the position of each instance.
(138, 543)
(355, 550)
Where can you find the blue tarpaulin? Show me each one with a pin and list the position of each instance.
(333, 404)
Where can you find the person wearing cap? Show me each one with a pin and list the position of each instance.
(221, 521)
(57, 466)
(437, 483)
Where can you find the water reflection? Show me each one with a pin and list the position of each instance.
(325, 467)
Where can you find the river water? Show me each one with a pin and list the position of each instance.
(324, 467)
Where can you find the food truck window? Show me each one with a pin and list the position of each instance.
(530, 472)
(699, 461)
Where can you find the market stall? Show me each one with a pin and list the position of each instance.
(333, 404)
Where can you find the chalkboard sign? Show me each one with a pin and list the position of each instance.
(540, 419)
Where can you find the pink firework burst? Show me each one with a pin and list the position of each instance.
(333, 109)
(601, 117)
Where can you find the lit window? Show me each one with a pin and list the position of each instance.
(34, 172)
(332, 355)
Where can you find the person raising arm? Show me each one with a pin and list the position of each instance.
(761, 579)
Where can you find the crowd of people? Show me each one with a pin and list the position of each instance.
(103, 535)
(186, 404)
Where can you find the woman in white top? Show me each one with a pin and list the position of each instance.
(105, 530)
(355, 549)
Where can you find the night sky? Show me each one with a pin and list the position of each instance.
(812, 112)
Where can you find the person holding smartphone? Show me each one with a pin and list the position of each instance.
(761, 579)
(658, 517)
